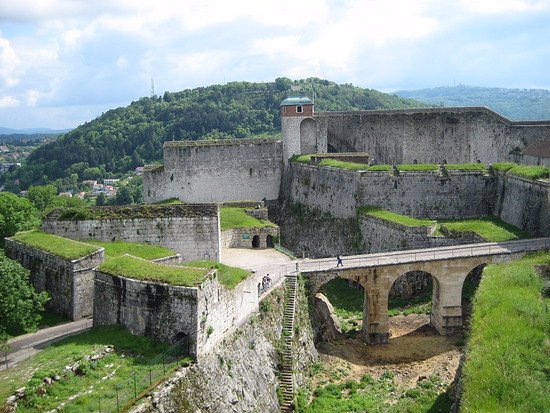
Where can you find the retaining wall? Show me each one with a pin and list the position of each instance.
(216, 171)
(70, 283)
(190, 230)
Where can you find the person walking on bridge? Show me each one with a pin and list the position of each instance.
(339, 262)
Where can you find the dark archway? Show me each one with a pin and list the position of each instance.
(412, 293)
(256, 241)
(182, 341)
(331, 149)
(269, 241)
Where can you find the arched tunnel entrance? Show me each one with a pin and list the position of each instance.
(469, 287)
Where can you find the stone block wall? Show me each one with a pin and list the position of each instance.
(70, 283)
(190, 230)
(163, 312)
(216, 171)
(457, 135)
(463, 194)
(243, 237)
(205, 314)
(523, 203)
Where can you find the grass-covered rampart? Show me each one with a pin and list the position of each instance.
(227, 275)
(131, 267)
(507, 367)
(511, 168)
(145, 251)
(490, 228)
(62, 247)
(231, 217)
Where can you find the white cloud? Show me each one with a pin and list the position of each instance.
(121, 62)
(32, 96)
(9, 62)
(503, 6)
(8, 102)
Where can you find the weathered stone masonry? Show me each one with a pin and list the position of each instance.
(70, 283)
(203, 315)
(189, 230)
(216, 171)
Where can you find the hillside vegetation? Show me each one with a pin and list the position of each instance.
(516, 104)
(127, 137)
(507, 362)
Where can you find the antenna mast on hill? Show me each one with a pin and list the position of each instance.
(152, 88)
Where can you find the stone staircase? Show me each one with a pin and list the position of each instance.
(286, 379)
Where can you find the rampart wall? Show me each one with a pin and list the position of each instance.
(216, 171)
(523, 203)
(461, 194)
(203, 315)
(189, 230)
(457, 135)
(70, 283)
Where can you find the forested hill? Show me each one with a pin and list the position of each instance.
(124, 138)
(515, 104)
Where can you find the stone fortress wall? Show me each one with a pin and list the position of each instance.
(201, 316)
(454, 135)
(216, 171)
(69, 282)
(190, 230)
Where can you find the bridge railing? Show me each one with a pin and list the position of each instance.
(426, 255)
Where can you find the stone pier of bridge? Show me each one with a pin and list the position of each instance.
(448, 278)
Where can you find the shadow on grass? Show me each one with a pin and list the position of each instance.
(442, 404)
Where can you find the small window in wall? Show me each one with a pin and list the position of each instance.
(299, 109)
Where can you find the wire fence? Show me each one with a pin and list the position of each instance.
(125, 393)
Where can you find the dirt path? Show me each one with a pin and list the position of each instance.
(415, 351)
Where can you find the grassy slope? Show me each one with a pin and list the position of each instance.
(62, 247)
(490, 228)
(132, 354)
(394, 217)
(228, 276)
(131, 267)
(231, 217)
(145, 251)
(508, 360)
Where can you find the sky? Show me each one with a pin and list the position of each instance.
(64, 62)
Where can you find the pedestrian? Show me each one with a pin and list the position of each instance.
(339, 262)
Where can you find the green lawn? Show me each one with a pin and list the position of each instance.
(232, 217)
(353, 166)
(508, 357)
(491, 228)
(131, 267)
(529, 172)
(96, 383)
(228, 276)
(400, 219)
(62, 247)
(145, 251)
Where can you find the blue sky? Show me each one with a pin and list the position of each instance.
(64, 62)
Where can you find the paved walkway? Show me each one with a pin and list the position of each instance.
(29, 344)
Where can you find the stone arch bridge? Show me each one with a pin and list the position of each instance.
(449, 267)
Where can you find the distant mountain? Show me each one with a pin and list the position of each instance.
(515, 104)
(31, 131)
(121, 139)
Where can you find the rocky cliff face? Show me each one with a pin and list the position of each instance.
(241, 374)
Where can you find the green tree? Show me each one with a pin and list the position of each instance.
(16, 214)
(20, 304)
(42, 196)
(123, 197)
(101, 199)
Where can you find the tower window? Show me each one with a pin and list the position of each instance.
(299, 109)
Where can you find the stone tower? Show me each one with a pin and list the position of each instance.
(298, 126)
